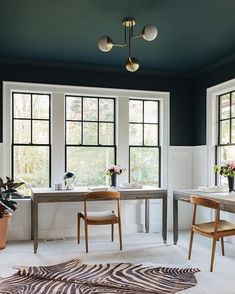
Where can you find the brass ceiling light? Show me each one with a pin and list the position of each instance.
(149, 33)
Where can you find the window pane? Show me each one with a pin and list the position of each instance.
(73, 133)
(22, 105)
(90, 164)
(233, 104)
(224, 106)
(40, 106)
(233, 130)
(150, 111)
(144, 163)
(135, 134)
(151, 134)
(106, 108)
(73, 108)
(31, 164)
(22, 131)
(226, 153)
(90, 133)
(135, 111)
(224, 132)
(40, 132)
(90, 109)
(106, 134)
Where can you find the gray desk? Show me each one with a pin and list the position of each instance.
(48, 195)
(226, 200)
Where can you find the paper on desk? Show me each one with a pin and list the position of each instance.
(213, 189)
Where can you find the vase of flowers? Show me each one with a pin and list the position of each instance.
(227, 170)
(113, 171)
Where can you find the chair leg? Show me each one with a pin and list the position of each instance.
(120, 234)
(86, 236)
(78, 228)
(112, 232)
(222, 245)
(190, 244)
(213, 254)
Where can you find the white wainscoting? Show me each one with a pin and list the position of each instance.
(180, 176)
(1, 160)
(187, 169)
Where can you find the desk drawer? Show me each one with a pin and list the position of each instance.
(136, 196)
(228, 208)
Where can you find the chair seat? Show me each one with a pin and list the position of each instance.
(100, 217)
(208, 228)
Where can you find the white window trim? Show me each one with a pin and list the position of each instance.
(212, 123)
(58, 92)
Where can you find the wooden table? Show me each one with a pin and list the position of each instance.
(226, 200)
(48, 195)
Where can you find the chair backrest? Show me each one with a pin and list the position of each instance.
(196, 200)
(204, 202)
(102, 195)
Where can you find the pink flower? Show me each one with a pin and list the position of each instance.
(231, 166)
(114, 169)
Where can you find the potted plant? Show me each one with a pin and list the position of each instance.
(227, 170)
(7, 206)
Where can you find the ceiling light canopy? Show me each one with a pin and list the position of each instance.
(149, 33)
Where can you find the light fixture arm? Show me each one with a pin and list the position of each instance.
(130, 32)
(122, 45)
(137, 36)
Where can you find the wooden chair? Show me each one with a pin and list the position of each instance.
(216, 230)
(100, 218)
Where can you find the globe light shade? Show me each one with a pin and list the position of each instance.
(132, 64)
(105, 44)
(149, 32)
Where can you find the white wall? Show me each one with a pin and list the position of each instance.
(187, 169)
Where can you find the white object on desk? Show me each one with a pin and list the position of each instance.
(213, 189)
(130, 186)
(93, 189)
(58, 186)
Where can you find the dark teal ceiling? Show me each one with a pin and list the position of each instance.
(192, 33)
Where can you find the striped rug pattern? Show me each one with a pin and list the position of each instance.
(74, 277)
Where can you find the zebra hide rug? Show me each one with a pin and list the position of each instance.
(74, 277)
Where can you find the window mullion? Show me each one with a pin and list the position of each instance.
(58, 135)
(230, 120)
(81, 120)
(98, 122)
(143, 123)
(123, 136)
(31, 119)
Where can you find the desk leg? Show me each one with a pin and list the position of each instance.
(147, 215)
(31, 219)
(164, 219)
(34, 225)
(175, 220)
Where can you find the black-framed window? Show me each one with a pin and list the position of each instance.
(90, 141)
(31, 138)
(144, 141)
(225, 147)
